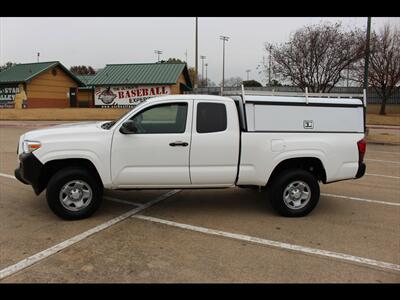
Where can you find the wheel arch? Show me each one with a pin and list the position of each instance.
(53, 166)
(311, 164)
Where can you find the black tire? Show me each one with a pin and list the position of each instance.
(276, 192)
(62, 177)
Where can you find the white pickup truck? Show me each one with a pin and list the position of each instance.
(283, 144)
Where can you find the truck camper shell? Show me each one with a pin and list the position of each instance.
(300, 112)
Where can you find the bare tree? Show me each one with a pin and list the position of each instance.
(206, 83)
(232, 82)
(192, 74)
(384, 64)
(7, 65)
(82, 70)
(316, 56)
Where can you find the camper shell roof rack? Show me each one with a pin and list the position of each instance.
(305, 94)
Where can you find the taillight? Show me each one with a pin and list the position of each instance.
(362, 146)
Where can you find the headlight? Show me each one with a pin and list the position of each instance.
(30, 146)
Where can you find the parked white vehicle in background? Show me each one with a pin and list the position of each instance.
(284, 144)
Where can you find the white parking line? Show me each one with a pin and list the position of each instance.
(298, 248)
(122, 201)
(392, 152)
(41, 255)
(7, 176)
(384, 161)
(380, 175)
(61, 246)
(361, 199)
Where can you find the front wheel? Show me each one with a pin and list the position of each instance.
(294, 193)
(73, 193)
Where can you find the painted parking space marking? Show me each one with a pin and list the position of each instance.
(276, 244)
(392, 152)
(61, 246)
(132, 213)
(384, 161)
(361, 199)
(380, 175)
(122, 201)
(7, 176)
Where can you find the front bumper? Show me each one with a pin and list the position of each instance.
(29, 171)
(361, 170)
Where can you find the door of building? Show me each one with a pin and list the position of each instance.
(72, 97)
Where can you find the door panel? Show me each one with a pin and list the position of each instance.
(214, 155)
(146, 158)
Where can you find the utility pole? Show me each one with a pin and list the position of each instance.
(367, 54)
(158, 52)
(206, 75)
(224, 39)
(202, 57)
(186, 57)
(248, 71)
(196, 55)
(38, 54)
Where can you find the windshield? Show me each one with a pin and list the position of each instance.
(110, 124)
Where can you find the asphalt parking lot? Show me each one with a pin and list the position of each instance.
(228, 235)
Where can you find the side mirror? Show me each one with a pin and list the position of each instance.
(128, 127)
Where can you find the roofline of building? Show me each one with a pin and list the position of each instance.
(42, 62)
(168, 63)
(52, 64)
(28, 79)
(133, 84)
(187, 76)
(42, 71)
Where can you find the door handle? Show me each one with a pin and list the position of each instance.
(178, 143)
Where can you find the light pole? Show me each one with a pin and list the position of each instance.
(206, 75)
(158, 52)
(202, 57)
(248, 71)
(367, 54)
(196, 55)
(224, 39)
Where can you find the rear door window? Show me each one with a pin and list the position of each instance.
(211, 117)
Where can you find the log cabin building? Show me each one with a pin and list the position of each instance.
(126, 85)
(50, 84)
(38, 85)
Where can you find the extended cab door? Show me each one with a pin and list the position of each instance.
(214, 152)
(158, 153)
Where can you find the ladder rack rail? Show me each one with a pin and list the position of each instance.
(294, 94)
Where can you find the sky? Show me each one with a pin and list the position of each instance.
(99, 41)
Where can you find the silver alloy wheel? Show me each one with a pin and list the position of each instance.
(296, 195)
(76, 195)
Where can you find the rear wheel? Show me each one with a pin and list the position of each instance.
(73, 193)
(294, 193)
